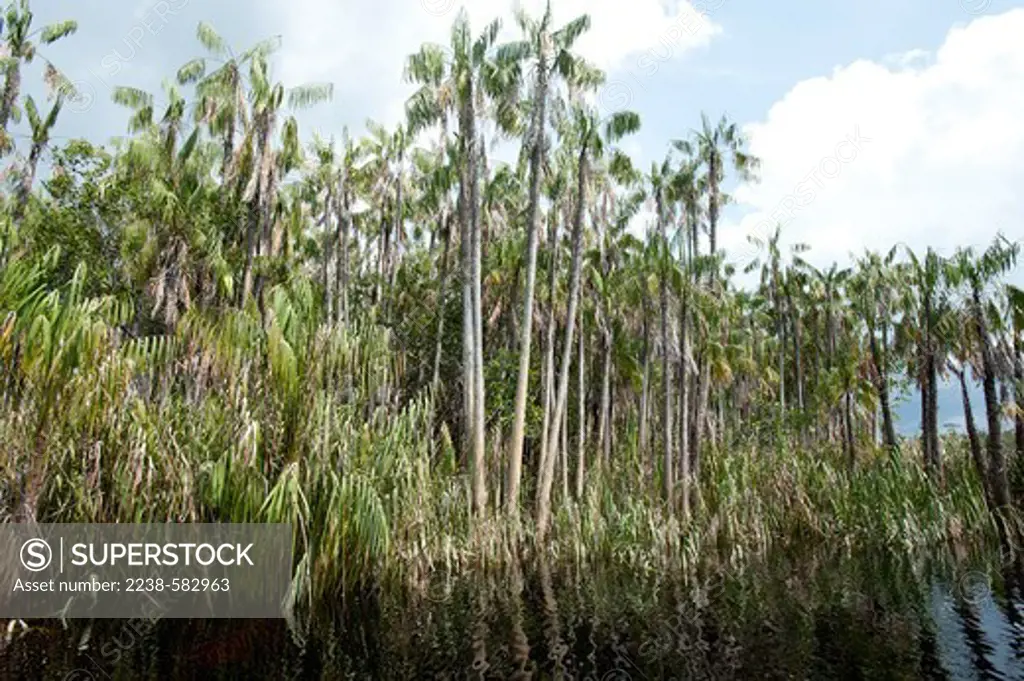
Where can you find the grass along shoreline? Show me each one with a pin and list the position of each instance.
(225, 423)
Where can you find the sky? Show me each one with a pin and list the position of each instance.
(876, 122)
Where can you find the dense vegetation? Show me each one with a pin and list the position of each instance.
(424, 357)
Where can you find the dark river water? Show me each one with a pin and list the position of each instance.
(871, 618)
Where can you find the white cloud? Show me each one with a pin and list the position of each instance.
(940, 165)
(361, 47)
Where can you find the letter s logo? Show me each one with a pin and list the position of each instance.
(36, 555)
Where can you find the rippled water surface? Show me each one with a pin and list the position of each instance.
(871, 618)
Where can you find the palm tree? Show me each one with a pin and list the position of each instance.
(964, 358)
(977, 272)
(715, 147)
(686, 189)
(550, 52)
(385, 154)
(222, 92)
(40, 138)
(322, 184)
(176, 176)
(612, 271)
(874, 289)
(265, 101)
(1015, 312)
(926, 306)
(20, 48)
(774, 284)
(557, 187)
(660, 178)
(587, 142)
(455, 83)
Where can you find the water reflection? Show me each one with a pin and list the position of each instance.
(797, 618)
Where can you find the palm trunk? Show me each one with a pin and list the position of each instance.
(642, 435)
(703, 391)
(795, 321)
(666, 374)
(684, 407)
(1018, 396)
(227, 152)
(253, 235)
(27, 180)
(929, 398)
(515, 461)
(549, 341)
(327, 256)
(547, 468)
(548, 380)
(606, 406)
(251, 244)
(780, 311)
(581, 427)
(382, 250)
(398, 230)
(713, 204)
(996, 459)
(933, 415)
(466, 217)
(926, 440)
(563, 460)
(341, 272)
(882, 385)
(480, 491)
(442, 294)
(851, 455)
(972, 435)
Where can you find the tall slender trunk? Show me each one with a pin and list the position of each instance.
(703, 391)
(645, 386)
(27, 180)
(341, 271)
(549, 340)
(929, 397)
(781, 326)
(251, 246)
(398, 228)
(926, 442)
(474, 434)
(382, 250)
(666, 374)
(328, 256)
(255, 209)
(547, 468)
(684, 407)
(851, 455)
(794, 315)
(266, 225)
(882, 385)
(227, 150)
(478, 342)
(446, 228)
(606, 387)
(1018, 396)
(581, 426)
(563, 460)
(472, 307)
(548, 381)
(972, 434)
(515, 459)
(996, 458)
(933, 415)
(713, 204)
